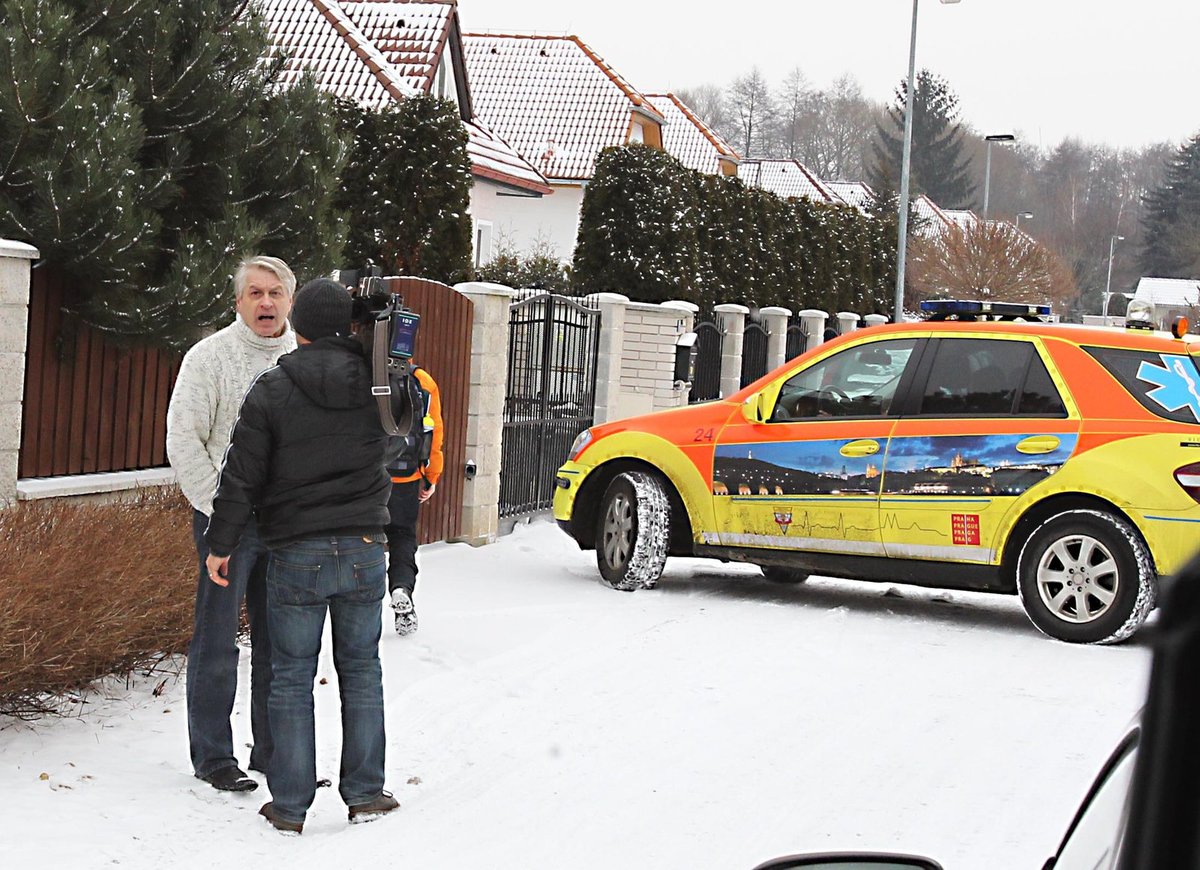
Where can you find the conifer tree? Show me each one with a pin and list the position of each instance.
(145, 146)
(1172, 218)
(407, 189)
(938, 166)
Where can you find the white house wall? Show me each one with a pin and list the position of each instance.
(522, 221)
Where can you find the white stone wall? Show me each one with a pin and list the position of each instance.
(15, 260)
(635, 366)
(647, 367)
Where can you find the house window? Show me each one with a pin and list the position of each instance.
(637, 135)
(483, 243)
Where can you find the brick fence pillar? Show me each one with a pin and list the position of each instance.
(775, 319)
(731, 318)
(609, 355)
(485, 425)
(812, 324)
(14, 325)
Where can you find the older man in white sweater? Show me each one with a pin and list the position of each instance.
(213, 378)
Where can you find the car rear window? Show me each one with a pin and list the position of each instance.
(989, 378)
(1167, 384)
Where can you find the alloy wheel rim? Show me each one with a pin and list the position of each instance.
(1078, 578)
(618, 531)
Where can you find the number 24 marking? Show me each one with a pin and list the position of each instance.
(703, 435)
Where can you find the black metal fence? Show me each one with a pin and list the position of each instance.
(754, 352)
(796, 343)
(550, 398)
(706, 381)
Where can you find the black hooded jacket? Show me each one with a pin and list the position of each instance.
(307, 453)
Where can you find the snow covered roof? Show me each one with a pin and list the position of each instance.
(963, 218)
(320, 38)
(933, 219)
(855, 193)
(553, 98)
(1169, 292)
(687, 138)
(377, 51)
(786, 178)
(410, 34)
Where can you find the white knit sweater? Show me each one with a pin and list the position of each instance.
(213, 378)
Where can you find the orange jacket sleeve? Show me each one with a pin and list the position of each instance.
(433, 470)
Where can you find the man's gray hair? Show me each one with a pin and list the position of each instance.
(274, 265)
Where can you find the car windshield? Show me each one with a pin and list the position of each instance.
(859, 381)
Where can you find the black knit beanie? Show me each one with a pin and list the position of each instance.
(322, 308)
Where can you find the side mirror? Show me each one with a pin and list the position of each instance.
(754, 408)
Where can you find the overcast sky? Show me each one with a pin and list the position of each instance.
(1120, 73)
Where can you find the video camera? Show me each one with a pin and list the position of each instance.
(388, 331)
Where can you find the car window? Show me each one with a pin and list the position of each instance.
(857, 382)
(1165, 383)
(982, 377)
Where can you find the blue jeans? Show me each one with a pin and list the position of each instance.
(212, 662)
(344, 577)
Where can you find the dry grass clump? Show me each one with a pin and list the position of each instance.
(90, 590)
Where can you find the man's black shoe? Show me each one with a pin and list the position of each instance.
(230, 779)
(267, 811)
(372, 809)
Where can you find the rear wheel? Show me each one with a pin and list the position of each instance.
(1085, 576)
(780, 574)
(633, 531)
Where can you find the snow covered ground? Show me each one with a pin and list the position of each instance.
(541, 720)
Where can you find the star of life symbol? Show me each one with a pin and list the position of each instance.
(1175, 385)
(783, 519)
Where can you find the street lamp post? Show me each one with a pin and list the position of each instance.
(1112, 246)
(905, 160)
(987, 172)
(1028, 215)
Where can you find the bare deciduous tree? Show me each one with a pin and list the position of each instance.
(754, 108)
(988, 260)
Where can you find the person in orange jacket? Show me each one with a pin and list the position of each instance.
(415, 474)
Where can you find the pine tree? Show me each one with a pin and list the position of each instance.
(1172, 218)
(407, 189)
(938, 166)
(145, 147)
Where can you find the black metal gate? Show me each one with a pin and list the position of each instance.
(553, 342)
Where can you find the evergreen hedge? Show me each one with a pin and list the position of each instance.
(654, 230)
(406, 189)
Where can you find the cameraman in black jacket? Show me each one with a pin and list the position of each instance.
(307, 458)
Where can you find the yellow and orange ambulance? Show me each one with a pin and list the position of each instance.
(968, 451)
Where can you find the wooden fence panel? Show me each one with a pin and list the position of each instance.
(90, 405)
(444, 350)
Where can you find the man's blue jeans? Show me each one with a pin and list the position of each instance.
(346, 578)
(212, 663)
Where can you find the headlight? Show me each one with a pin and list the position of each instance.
(582, 440)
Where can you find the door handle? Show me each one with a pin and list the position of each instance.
(861, 447)
(1038, 444)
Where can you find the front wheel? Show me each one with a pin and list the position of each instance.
(1085, 576)
(632, 531)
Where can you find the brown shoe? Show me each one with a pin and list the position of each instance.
(267, 811)
(385, 803)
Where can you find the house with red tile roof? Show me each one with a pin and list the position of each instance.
(559, 104)
(787, 179)
(691, 141)
(378, 51)
(855, 193)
